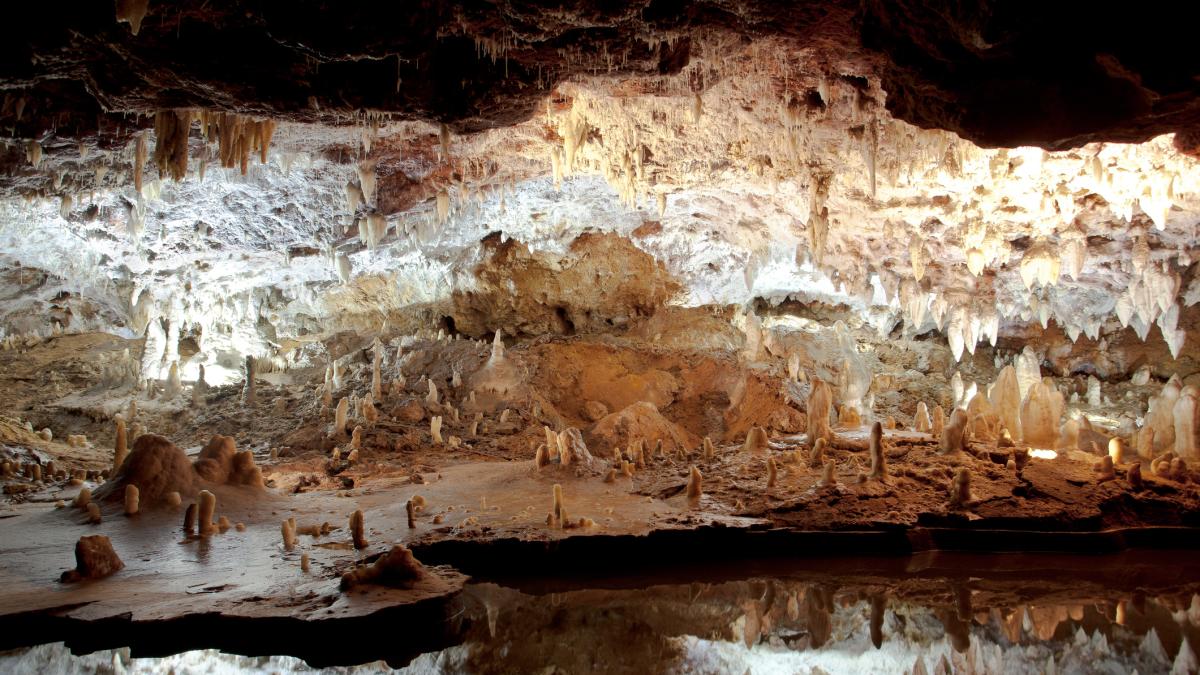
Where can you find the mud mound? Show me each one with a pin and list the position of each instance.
(156, 466)
(641, 420)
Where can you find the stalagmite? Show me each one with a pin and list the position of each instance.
(1005, 398)
(83, 498)
(938, 424)
(248, 395)
(960, 489)
(878, 461)
(772, 472)
(541, 457)
(1116, 450)
(208, 506)
(435, 428)
(817, 458)
(1040, 414)
(1134, 476)
(376, 375)
(174, 385)
(921, 422)
(93, 510)
(131, 500)
(756, 440)
(473, 431)
(189, 520)
(1186, 413)
(339, 416)
(1105, 470)
(94, 559)
(173, 499)
(356, 530)
(558, 512)
(356, 437)
(304, 563)
(820, 402)
(432, 397)
(827, 477)
(954, 436)
(410, 509)
(370, 414)
(695, 486)
(709, 450)
(120, 446)
(287, 530)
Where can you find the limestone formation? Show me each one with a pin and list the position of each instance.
(435, 428)
(131, 500)
(875, 446)
(248, 390)
(817, 458)
(1040, 414)
(1134, 476)
(921, 421)
(339, 417)
(208, 507)
(827, 476)
(695, 486)
(1116, 450)
(772, 472)
(189, 520)
(356, 530)
(820, 404)
(960, 489)
(954, 435)
(756, 440)
(83, 498)
(94, 559)
(93, 510)
(938, 423)
(397, 569)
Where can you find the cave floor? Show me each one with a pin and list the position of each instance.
(486, 506)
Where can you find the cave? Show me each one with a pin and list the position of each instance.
(667, 336)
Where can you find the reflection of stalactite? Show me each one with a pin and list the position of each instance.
(878, 605)
(958, 631)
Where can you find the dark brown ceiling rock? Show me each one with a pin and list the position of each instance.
(1056, 75)
(998, 73)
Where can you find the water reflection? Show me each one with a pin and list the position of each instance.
(936, 613)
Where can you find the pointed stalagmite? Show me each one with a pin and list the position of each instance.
(1005, 397)
(1040, 414)
(709, 450)
(435, 428)
(938, 423)
(120, 447)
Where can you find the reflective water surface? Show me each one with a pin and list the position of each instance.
(1137, 611)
